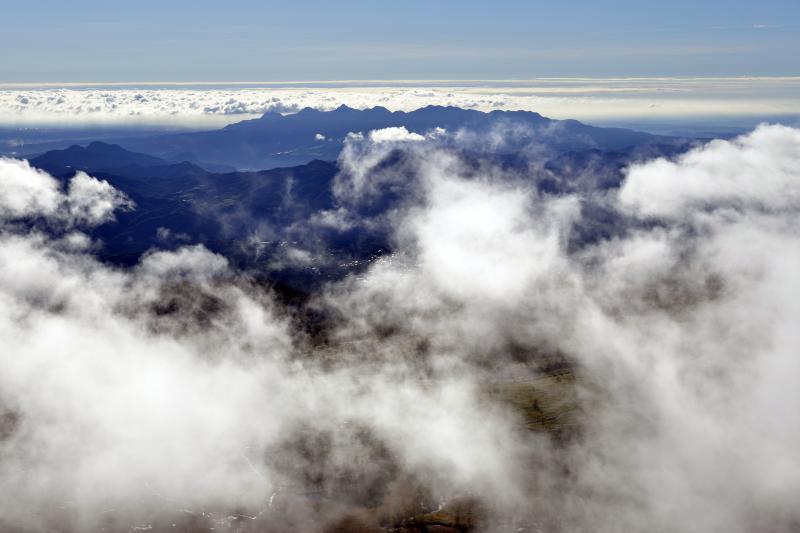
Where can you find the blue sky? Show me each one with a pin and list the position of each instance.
(59, 41)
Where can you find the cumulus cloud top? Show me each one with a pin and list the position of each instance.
(26, 192)
(464, 216)
(759, 169)
(394, 135)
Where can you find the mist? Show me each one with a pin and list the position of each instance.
(183, 394)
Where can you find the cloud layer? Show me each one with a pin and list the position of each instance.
(592, 100)
(180, 390)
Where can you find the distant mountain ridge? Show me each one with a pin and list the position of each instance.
(255, 218)
(95, 156)
(276, 140)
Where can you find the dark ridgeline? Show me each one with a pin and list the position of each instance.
(287, 140)
(252, 216)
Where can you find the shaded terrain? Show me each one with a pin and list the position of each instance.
(259, 219)
(287, 140)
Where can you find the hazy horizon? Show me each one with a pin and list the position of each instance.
(660, 103)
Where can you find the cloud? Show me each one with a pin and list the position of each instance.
(682, 332)
(340, 219)
(92, 202)
(193, 262)
(205, 106)
(26, 192)
(180, 391)
(288, 256)
(394, 135)
(757, 170)
(464, 216)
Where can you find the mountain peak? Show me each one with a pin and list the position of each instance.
(270, 114)
(96, 155)
(99, 146)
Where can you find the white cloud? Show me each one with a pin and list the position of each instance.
(26, 192)
(464, 217)
(340, 219)
(400, 134)
(288, 256)
(180, 385)
(759, 169)
(177, 387)
(92, 202)
(684, 332)
(600, 99)
(192, 262)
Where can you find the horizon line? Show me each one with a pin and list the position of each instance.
(68, 84)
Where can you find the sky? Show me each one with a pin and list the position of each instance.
(241, 40)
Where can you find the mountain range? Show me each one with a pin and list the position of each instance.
(276, 140)
(256, 217)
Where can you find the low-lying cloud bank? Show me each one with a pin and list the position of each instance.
(179, 392)
(590, 100)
